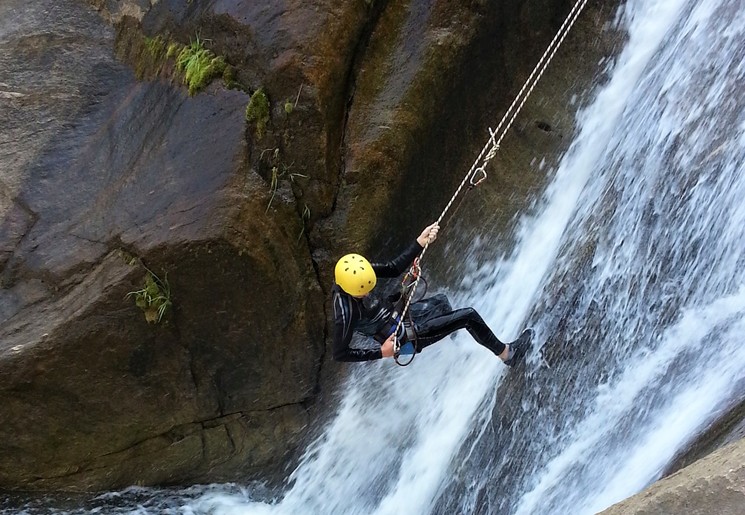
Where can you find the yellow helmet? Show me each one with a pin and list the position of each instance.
(355, 275)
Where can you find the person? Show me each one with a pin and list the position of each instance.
(355, 310)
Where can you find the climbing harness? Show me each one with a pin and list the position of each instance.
(477, 173)
(402, 315)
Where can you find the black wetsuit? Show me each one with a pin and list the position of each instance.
(433, 317)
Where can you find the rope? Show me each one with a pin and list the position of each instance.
(477, 174)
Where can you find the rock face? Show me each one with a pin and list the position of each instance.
(103, 174)
(112, 172)
(714, 484)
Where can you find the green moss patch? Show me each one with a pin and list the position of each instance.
(230, 80)
(199, 65)
(160, 56)
(257, 111)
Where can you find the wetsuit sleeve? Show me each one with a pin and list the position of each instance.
(344, 321)
(398, 266)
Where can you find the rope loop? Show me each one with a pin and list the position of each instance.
(494, 148)
(397, 355)
(478, 171)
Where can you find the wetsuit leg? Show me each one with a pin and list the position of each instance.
(437, 328)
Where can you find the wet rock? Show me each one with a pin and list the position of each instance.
(727, 428)
(714, 484)
(104, 178)
(115, 10)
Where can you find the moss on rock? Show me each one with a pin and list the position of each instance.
(257, 111)
(158, 56)
(199, 65)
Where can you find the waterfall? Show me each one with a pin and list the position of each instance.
(643, 307)
(632, 272)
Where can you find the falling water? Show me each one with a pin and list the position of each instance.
(632, 272)
(643, 309)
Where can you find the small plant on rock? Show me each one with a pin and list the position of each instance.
(174, 49)
(278, 175)
(304, 218)
(257, 111)
(154, 298)
(199, 65)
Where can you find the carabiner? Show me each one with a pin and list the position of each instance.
(415, 269)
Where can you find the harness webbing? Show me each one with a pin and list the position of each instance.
(477, 173)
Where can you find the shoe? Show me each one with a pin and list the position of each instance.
(519, 348)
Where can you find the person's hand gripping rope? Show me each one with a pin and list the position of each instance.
(429, 234)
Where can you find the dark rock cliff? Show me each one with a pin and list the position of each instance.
(106, 178)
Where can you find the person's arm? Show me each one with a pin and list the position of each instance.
(343, 329)
(398, 266)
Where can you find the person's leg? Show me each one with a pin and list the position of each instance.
(435, 329)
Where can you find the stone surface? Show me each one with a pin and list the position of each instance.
(714, 484)
(102, 176)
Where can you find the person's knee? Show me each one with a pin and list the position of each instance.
(470, 313)
(471, 317)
